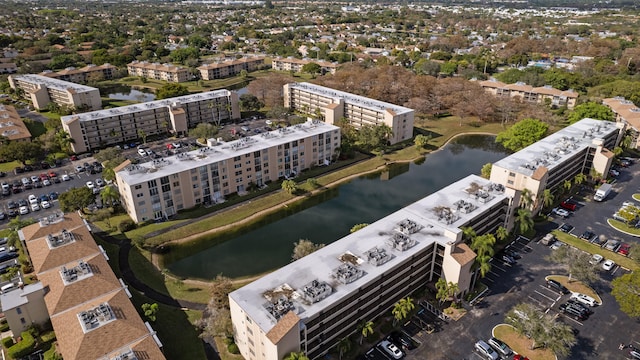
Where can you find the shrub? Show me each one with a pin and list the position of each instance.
(233, 348)
(126, 225)
(4, 327)
(228, 341)
(7, 342)
(24, 347)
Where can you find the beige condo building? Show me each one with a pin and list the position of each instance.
(312, 303)
(333, 106)
(528, 93)
(223, 69)
(160, 188)
(84, 74)
(41, 90)
(108, 127)
(11, 125)
(627, 113)
(295, 65)
(547, 164)
(157, 71)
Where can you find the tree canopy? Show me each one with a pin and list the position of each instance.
(626, 290)
(522, 134)
(591, 110)
(21, 151)
(204, 131)
(170, 90)
(304, 247)
(250, 102)
(76, 199)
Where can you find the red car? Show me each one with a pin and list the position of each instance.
(52, 174)
(624, 249)
(44, 177)
(519, 357)
(568, 205)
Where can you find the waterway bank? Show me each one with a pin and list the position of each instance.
(385, 165)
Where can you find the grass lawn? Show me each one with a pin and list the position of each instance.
(595, 249)
(9, 166)
(112, 103)
(36, 128)
(443, 129)
(50, 115)
(223, 352)
(576, 286)
(521, 344)
(636, 197)
(619, 225)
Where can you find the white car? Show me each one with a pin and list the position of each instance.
(142, 152)
(79, 168)
(608, 265)
(90, 184)
(561, 212)
(557, 245)
(391, 349)
(24, 210)
(584, 299)
(99, 182)
(33, 199)
(35, 207)
(46, 182)
(45, 204)
(486, 350)
(66, 177)
(595, 259)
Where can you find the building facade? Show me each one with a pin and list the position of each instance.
(8, 68)
(528, 93)
(577, 149)
(41, 90)
(334, 106)
(160, 188)
(24, 307)
(295, 65)
(89, 307)
(312, 303)
(98, 129)
(228, 68)
(84, 74)
(156, 71)
(11, 125)
(628, 113)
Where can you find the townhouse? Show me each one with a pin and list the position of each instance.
(159, 188)
(157, 71)
(11, 125)
(527, 93)
(628, 113)
(41, 91)
(295, 65)
(83, 75)
(108, 127)
(311, 304)
(334, 106)
(577, 149)
(228, 68)
(89, 307)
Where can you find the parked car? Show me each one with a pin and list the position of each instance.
(99, 182)
(614, 173)
(53, 195)
(596, 259)
(485, 350)
(391, 349)
(587, 235)
(566, 227)
(612, 245)
(568, 205)
(556, 285)
(90, 184)
(624, 249)
(580, 305)
(24, 210)
(607, 265)
(402, 339)
(560, 212)
(35, 207)
(508, 259)
(548, 239)
(514, 254)
(66, 177)
(585, 299)
(500, 347)
(573, 312)
(45, 204)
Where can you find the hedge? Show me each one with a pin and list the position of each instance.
(24, 347)
(7, 342)
(233, 348)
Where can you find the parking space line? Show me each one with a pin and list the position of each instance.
(534, 299)
(498, 267)
(544, 296)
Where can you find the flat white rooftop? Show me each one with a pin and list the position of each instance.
(140, 173)
(350, 98)
(321, 265)
(556, 148)
(130, 109)
(54, 83)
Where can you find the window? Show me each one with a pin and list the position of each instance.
(141, 203)
(510, 182)
(23, 321)
(18, 310)
(195, 186)
(138, 187)
(139, 195)
(176, 184)
(512, 174)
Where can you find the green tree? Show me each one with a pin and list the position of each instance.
(579, 179)
(249, 102)
(421, 141)
(204, 131)
(373, 137)
(402, 309)
(170, 90)
(365, 329)
(150, 311)
(304, 247)
(313, 183)
(104, 215)
(485, 172)
(109, 195)
(289, 186)
(76, 199)
(446, 290)
(502, 233)
(524, 220)
(357, 227)
(541, 328)
(142, 135)
(577, 263)
(526, 198)
(591, 110)
(21, 151)
(547, 198)
(344, 345)
(626, 290)
(522, 134)
(311, 68)
(296, 356)
(567, 185)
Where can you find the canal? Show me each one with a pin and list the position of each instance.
(330, 215)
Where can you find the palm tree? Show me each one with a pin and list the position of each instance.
(483, 245)
(484, 264)
(547, 198)
(567, 185)
(142, 135)
(402, 309)
(296, 356)
(344, 346)
(501, 233)
(468, 234)
(365, 328)
(526, 198)
(109, 195)
(524, 220)
(579, 179)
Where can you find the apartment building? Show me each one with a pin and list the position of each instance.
(228, 68)
(629, 114)
(11, 125)
(311, 304)
(160, 188)
(547, 164)
(538, 95)
(42, 90)
(334, 106)
(84, 74)
(8, 68)
(157, 71)
(23, 307)
(108, 127)
(89, 307)
(295, 65)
